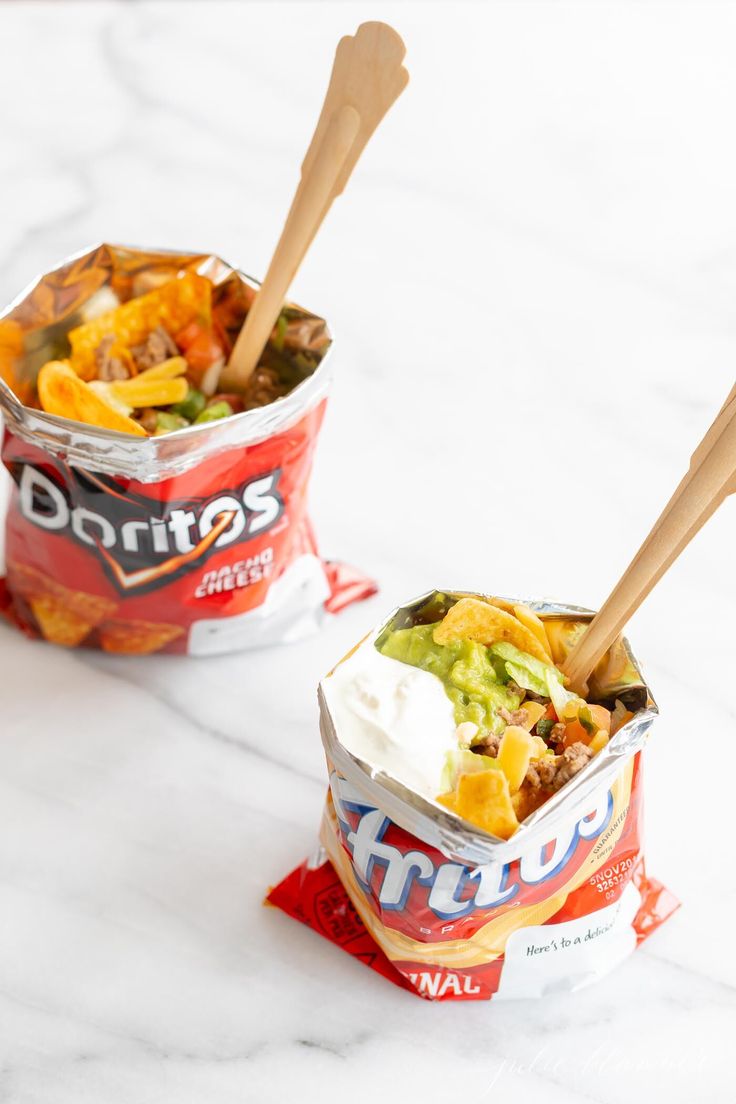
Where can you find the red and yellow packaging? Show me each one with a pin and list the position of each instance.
(454, 914)
(198, 542)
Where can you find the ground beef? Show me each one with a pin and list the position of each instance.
(552, 774)
(557, 734)
(148, 418)
(574, 759)
(518, 717)
(541, 774)
(109, 367)
(157, 348)
(263, 387)
(489, 746)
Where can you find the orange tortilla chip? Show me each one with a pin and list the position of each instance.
(32, 583)
(137, 637)
(29, 582)
(174, 305)
(64, 616)
(63, 393)
(483, 798)
(11, 351)
(59, 624)
(471, 619)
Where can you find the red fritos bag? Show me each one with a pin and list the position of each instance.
(197, 542)
(451, 913)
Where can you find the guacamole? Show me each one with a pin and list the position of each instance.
(470, 673)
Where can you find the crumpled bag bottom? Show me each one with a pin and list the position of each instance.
(315, 896)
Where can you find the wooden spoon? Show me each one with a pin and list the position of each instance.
(367, 76)
(709, 480)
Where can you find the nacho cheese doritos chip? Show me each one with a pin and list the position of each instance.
(64, 616)
(175, 305)
(136, 637)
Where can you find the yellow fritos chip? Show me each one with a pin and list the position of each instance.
(535, 625)
(174, 306)
(167, 369)
(502, 603)
(62, 392)
(484, 799)
(136, 637)
(514, 754)
(471, 619)
(149, 392)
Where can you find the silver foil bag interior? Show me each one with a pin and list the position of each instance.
(33, 330)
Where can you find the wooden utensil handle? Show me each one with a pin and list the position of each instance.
(310, 204)
(727, 411)
(367, 76)
(711, 481)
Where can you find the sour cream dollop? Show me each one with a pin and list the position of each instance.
(395, 717)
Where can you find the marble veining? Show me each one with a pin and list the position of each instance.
(532, 279)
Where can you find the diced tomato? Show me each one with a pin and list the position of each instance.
(549, 714)
(203, 352)
(189, 334)
(201, 349)
(576, 734)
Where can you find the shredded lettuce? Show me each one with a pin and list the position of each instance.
(523, 677)
(524, 669)
(559, 696)
(538, 677)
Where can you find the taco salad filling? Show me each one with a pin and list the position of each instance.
(471, 711)
(151, 365)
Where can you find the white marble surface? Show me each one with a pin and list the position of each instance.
(533, 282)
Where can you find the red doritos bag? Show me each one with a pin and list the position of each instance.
(197, 542)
